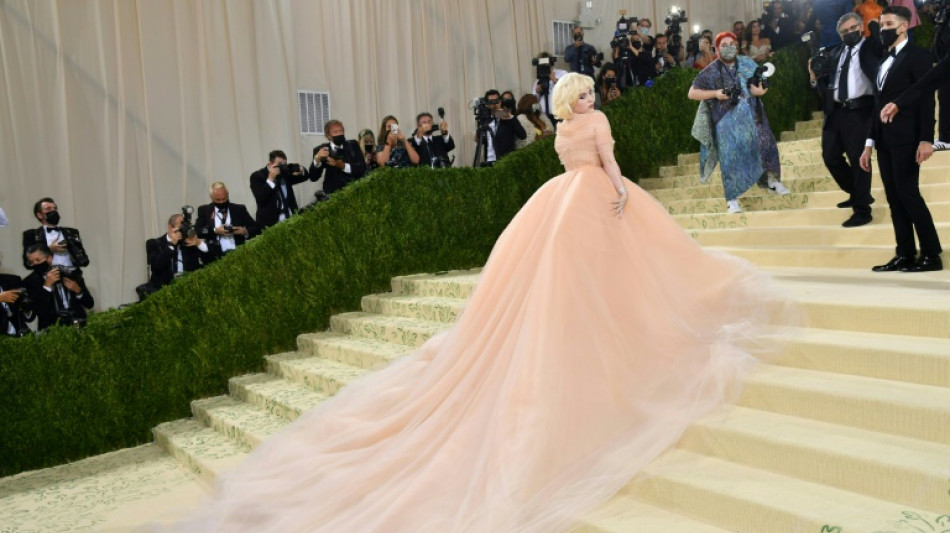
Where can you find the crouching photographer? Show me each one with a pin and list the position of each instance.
(16, 307)
(432, 144)
(338, 161)
(59, 293)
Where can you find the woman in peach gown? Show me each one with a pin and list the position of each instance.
(597, 333)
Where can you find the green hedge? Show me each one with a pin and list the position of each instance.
(75, 393)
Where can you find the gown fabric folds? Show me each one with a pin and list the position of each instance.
(590, 343)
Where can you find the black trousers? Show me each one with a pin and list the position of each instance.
(901, 176)
(843, 134)
(943, 121)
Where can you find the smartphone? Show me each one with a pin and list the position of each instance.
(394, 128)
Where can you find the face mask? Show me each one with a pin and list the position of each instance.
(52, 218)
(338, 140)
(223, 206)
(41, 268)
(368, 147)
(888, 37)
(644, 31)
(578, 37)
(852, 38)
(728, 52)
(636, 45)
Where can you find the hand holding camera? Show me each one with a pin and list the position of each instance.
(52, 277)
(272, 172)
(9, 297)
(321, 155)
(72, 286)
(57, 247)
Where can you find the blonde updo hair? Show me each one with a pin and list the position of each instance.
(566, 92)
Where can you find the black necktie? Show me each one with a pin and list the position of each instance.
(843, 79)
(51, 229)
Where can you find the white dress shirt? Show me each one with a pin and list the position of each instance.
(226, 241)
(61, 258)
(858, 84)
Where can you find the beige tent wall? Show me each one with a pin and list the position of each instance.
(124, 110)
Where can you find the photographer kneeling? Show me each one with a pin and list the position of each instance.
(339, 161)
(59, 293)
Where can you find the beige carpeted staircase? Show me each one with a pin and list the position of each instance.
(847, 432)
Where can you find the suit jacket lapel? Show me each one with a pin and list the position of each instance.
(897, 61)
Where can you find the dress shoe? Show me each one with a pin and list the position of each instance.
(848, 203)
(926, 263)
(899, 262)
(856, 220)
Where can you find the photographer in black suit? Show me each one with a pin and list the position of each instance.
(58, 292)
(433, 149)
(222, 224)
(339, 161)
(847, 90)
(581, 56)
(902, 145)
(15, 307)
(64, 243)
(502, 130)
(173, 254)
(273, 188)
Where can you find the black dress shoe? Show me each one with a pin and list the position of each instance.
(899, 262)
(927, 263)
(856, 220)
(849, 203)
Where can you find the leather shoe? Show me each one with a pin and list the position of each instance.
(849, 203)
(856, 220)
(897, 263)
(927, 263)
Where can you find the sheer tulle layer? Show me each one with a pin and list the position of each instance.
(590, 343)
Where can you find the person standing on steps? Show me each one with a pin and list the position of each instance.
(587, 348)
(903, 144)
(847, 94)
(732, 126)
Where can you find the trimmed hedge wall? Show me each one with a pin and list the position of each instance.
(74, 393)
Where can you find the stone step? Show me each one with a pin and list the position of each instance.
(879, 233)
(623, 514)
(397, 330)
(902, 409)
(786, 147)
(360, 352)
(429, 308)
(897, 469)
(741, 498)
(237, 420)
(322, 375)
(714, 189)
(802, 157)
(847, 257)
(202, 450)
(275, 395)
(912, 359)
(787, 136)
(453, 284)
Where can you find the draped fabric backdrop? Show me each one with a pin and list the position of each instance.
(125, 110)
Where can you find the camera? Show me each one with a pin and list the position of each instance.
(24, 302)
(74, 249)
(821, 61)
(288, 169)
(674, 19)
(68, 272)
(589, 56)
(734, 94)
(228, 228)
(187, 227)
(483, 113)
(762, 74)
(543, 69)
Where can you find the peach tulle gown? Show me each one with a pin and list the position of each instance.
(589, 345)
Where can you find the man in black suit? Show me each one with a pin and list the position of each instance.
(173, 254)
(902, 145)
(223, 225)
(848, 95)
(433, 149)
(59, 293)
(501, 132)
(339, 161)
(14, 315)
(273, 188)
(65, 243)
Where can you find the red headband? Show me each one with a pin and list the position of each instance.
(723, 35)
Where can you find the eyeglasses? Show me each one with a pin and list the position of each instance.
(493, 102)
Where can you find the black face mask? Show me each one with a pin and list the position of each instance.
(338, 140)
(578, 37)
(637, 45)
(41, 268)
(888, 37)
(852, 38)
(369, 147)
(223, 206)
(52, 218)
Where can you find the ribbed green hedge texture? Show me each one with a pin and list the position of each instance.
(74, 393)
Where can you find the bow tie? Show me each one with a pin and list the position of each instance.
(51, 229)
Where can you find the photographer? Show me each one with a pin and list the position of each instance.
(500, 131)
(731, 121)
(582, 57)
(846, 87)
(65, 243)
(433, 149)
(339, 161)
(175, 253)
(15, 307)
(395, 151)
(543, 87)
(662, 58)
(534, 122)
(223, 225)
(273, 189)
(607, 84)
(59, 293)
(634, 64)
(367, 141)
